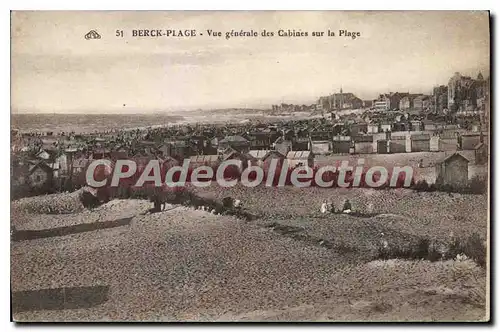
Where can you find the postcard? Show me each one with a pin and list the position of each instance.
(250, 166)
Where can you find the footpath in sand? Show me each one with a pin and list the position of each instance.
(186, 264)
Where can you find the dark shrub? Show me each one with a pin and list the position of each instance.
(421, 185)
(422, 249)
(478, 185)
(88, 200)
(475, 249)
(227, 202)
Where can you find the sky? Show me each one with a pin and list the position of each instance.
(54, 69)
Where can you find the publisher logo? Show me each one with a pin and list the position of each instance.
(92, 34)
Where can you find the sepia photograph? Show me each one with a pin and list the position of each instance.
(250, 166)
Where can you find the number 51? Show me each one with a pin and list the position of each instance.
(119, 33)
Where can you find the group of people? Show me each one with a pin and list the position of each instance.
(329, 207)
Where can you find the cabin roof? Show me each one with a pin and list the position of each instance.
(209, 158)
(479, 145)
(363, 138)
(233, 139)
(80, 162)
(455, 156)
(258, 154)
(420, 137)
(262, 154)
(342, 138)
(42, 165)
(299, 155)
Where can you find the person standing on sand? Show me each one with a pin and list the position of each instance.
(324, 207)
(155, 199)
(347, 207)
(332, 207)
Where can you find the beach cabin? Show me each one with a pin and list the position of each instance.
(363, 144)
(204, 160)
(469, 141)
(453, 171)
(320, 147)
(397, 144)
(448, 141)
(341, 144)
(420, 143)
(236, 142)
(263, 158)
(300, 158)
(481, 154)
(383, 146)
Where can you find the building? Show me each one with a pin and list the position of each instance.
(320, 147)
(263, 158)
(421, 103)
(338, 129)
(320, 135)
(359, 128)
(453, 171)
(300, 144)
(300, 158)
(382, 103)
(462, 93)
(341, 144)
(372, 128)
(485, 115)
(439, 98)
(101, 153)
(80, 165)
(397, 144)
(406, 103)
(178, 149)
(429, 125)
(448, 142)
(468, 141)
(205, 160)
(382, 146)
(233, 154)
(340, 101)
(236, 142)
(434, 143)
(416, 125)
(481, 154)
(476, 127)
(420, 143)
(19, 172)
(261, 140)
(395, 99)
(363, 144)
(40, 176)
(482, 93)
(385, 127)
(208, 146)
(45, 154)
(119, 153)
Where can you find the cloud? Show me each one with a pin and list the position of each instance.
(411, 51)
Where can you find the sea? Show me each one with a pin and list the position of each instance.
(91, 123)
(88, 123)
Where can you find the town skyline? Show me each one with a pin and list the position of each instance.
(152, 75)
